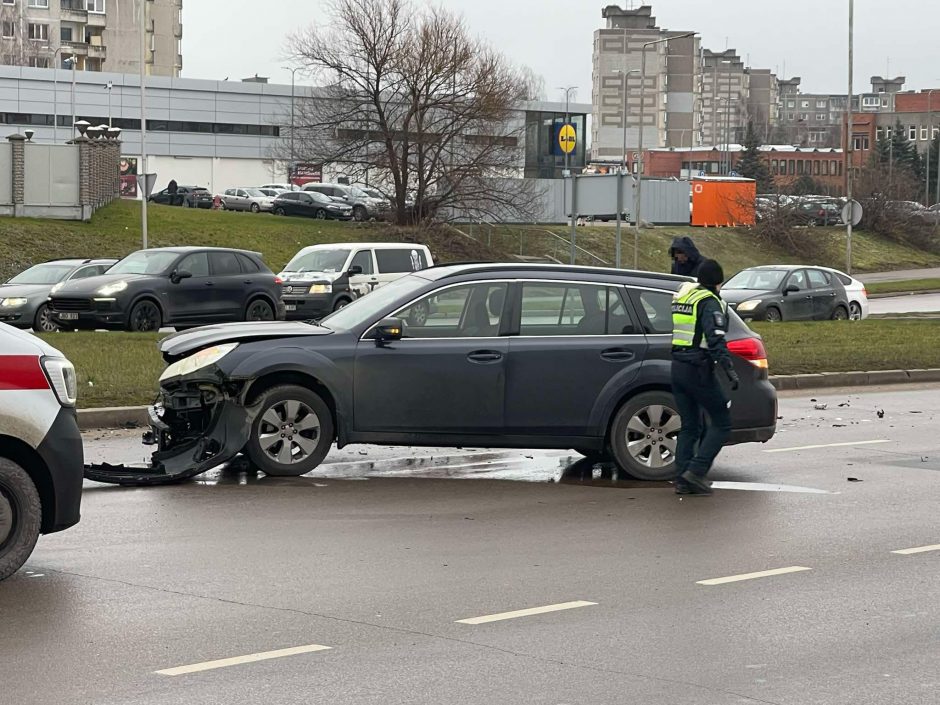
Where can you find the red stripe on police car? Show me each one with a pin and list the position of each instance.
(21, 372)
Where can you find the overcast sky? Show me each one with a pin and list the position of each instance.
(806, 38)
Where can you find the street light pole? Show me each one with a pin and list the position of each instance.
(638, 206)
(848, 139)
(74, 118)
(293, 158)
(143, 120)
(929, 145)
(623, 170)
(568, 175)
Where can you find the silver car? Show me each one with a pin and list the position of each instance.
(24, 299)
(246, 199)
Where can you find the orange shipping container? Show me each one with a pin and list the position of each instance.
(723, 201)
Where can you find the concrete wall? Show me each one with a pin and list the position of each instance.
(52, 174)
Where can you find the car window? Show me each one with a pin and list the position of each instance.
(399, 260)
(585, 309)
(818, 279)
(845, 279)
(196, 264)
(798, 278)
(145, 262)
(470, 311)
(224, 264)
(758, 279)
(319, 260)
(229, 192)
(42, 274)
(90, 271)
(363, 259)
(655, 309)
(249, 266)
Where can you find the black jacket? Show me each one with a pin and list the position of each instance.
(686, 246)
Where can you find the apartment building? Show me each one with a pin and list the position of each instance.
(97, 35)
(725, 90)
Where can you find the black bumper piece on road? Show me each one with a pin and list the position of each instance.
(61, 451)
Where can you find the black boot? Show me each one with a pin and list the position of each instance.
(692, 484)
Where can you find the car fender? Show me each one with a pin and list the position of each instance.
(153, 296)
(646, 375)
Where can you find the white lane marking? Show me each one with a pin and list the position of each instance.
(752, 576)
(238, 660)
(826, 445)
(766, 487)
(525, 613)
(922, 549)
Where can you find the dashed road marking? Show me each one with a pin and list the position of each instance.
(921, 549)
(827, 445)
(525, 613)
(752, 576)
(239, 660)
(766, 487)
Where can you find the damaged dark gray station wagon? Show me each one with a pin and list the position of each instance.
(500, 356)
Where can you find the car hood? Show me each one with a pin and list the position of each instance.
(736, 296)
(182, 344)
(24, 290)
(88, 287)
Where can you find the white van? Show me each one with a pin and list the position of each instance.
(323, 278)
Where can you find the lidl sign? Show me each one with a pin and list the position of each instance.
(566, 139)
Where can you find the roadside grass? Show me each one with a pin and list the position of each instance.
(121, 369)
(903, 287)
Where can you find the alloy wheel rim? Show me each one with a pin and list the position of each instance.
(289, 432)
(856, 313)
(652, 436)
(260, 311)
(146, 318)
(46, 324)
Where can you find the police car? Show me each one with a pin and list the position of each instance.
(41, 460)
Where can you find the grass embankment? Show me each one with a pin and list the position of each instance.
(903, 287)
(121, 369)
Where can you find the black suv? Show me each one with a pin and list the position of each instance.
(312, 205)
(173, 286)
(186, 196)
(511, 356)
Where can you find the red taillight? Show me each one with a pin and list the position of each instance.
(278, 281)
(865, 293)
(751, 349)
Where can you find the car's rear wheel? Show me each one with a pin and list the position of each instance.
(360, 214)
(255, 208)
(855, 311)
(644, 436)
(145, 317)
(259, 310)
(320, 214)
(292, 432)
(279, 211)
(20, 517)
(43, 322)
(840, 314)
(773, 315)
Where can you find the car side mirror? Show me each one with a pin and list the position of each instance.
(388, 330)
(791, 289)
(179, 276)
(354, 270)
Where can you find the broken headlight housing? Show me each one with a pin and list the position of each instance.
(197, 361)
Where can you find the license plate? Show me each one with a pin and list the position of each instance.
(290, 307)
(68, 316)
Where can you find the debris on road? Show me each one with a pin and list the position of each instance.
(881, 413)
(821, 407)
(854, 479)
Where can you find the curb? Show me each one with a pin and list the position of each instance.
(137, 416)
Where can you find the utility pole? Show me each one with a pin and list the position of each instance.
(929, 145)
(848, 139)
(142, 4)
(569, 175)
(109, 87)
(623, 169)
(293, 157)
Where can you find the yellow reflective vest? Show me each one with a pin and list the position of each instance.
(685, 314)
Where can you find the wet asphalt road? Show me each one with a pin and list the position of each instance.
(379, 556)
(920, 303)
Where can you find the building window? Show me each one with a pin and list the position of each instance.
(889, 132)
(816, 167)
(884, 102)
(822, 104)
(923, 134)
(791, 104)
(7, 30)
(65, 34)
(825, 168)
(871, 102)
(9, 2)
(911, 130)
(95, 6)
(879, 133)
(936, 131)
(39, 3)
(38, 32)
(804, 116)
(791, 116)
(860, 143)
(812, 137)
(799, 167)
(804, 103)
(820, 117)
(38, 62)
(792, 170)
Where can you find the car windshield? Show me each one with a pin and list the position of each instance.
(257, 193)
(144, 262)
(43, 274)
(318, 261)
(368, 192)
(364, 310)
(757, 279)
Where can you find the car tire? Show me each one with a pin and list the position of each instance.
(279, 211)
(255, 208)
(360, 214)
(43, 322)
(341, 303)
(773, 315)
(259, 310)
(320, 214)
(644, 435)
(145, 317)
(279, 448)
(855, 311)
(20, 517)
(840, 314)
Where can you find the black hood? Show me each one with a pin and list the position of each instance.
(685, 245)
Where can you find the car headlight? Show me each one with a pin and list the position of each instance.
(321, 288)
(56, 287)
(112, 289)
(749, 305)
(62, 379)
(13, 302)
(201, 359)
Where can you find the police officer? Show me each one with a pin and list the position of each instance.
(700, 321)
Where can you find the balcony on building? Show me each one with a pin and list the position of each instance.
(75, 48)
(74, 11)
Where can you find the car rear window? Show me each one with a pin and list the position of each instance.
(249, 266)
(224, 264)
(400, 261)
(655, 309)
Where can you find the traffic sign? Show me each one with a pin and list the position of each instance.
(852, 210)
(567, 138)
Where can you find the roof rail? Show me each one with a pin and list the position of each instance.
(533, 267)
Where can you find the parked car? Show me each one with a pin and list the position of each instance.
(246, 199)
(323, 278)
(171, 286)
(311, 205)
(816, 212)
(281, 187)
(366, 203)
(23, 299)
(186, 196)
(40, 446)
(272, 192)
(856, 293)
(930, 216)
(514, 356)
(786, 293)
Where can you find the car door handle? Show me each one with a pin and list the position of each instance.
(832, 294)
(617, 355)
(210, 284)
(485, 356)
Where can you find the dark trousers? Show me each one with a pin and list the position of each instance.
(696, 390)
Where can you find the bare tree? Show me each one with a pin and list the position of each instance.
(413, 104)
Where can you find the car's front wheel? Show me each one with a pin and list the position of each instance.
(644, 436)
(44, 322)
(20, 517)
(255, 208)
(773, 315)
(292, 432)
(320, 214)
(259, 310)
(145, 317)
